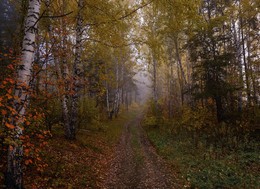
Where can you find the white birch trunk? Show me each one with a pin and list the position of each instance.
(15, 152)
(78, 71)
(63, 74)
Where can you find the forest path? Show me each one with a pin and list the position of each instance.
(135, 163)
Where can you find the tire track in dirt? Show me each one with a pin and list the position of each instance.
(136, 164)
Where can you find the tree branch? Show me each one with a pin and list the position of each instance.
(58, 16)
(122, 17)
(111, 45)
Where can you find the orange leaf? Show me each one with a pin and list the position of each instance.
(10, 66)
(4, 112)
(41, 136)
(33, 186)
(26, 151)
(10, 126)
(10, 80)
(9, 96)
(26, 162)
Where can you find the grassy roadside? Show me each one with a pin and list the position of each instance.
(200, 168)
(79, 164)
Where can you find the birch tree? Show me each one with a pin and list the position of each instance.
(78, 71)
(61, 59)
(15, 151)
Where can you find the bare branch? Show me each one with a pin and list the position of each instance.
(111, 45)
(58, 16)
(122, 17)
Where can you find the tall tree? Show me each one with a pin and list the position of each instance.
(15, 151)
(77, 71)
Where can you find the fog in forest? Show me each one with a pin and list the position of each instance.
(143, 83)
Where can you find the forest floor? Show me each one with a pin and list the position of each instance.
(123, 153)
(115, 154)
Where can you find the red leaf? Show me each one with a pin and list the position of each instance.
(10, 66)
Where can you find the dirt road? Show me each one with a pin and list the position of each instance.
(135, 163)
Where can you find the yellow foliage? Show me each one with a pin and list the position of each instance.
(200, 118)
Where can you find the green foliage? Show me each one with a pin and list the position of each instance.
(207, 167)
(198, 119)
(139, 158)
(154, 114)
(113, 128)
(150, 121)
(208, 153)
(89, 114)
(53, 113)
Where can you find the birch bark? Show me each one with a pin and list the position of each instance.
(64, 98)
(63, 75)
(15, 152)
(78, 71)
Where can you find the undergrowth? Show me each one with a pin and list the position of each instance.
(203, 167)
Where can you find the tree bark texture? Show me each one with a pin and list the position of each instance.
(78, 71)
(15, 152)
